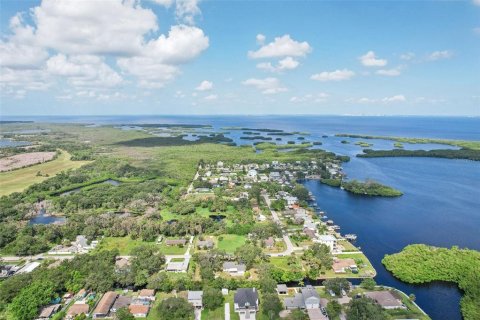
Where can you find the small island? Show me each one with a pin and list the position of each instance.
(420, 263)
(367, 188)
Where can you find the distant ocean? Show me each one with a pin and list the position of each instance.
(439, 207)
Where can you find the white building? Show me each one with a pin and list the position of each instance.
(328, 240)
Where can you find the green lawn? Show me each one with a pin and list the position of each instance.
(123, 244)
(367, 271)
(20, 179)
(230, 242)
(172, 249)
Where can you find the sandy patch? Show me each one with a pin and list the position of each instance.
(24, 160)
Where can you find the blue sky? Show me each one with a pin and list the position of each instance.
(240, 57)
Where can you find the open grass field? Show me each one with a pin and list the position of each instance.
(18, 180)
(231, 242)
(170, 250)
(123, 244)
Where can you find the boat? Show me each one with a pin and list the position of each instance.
(351, 236)
(335, 227)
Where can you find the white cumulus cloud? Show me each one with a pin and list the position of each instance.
(205, 85)
(266, 86)
(439, 55)
(369, 59)
(389, 72)
(281, 47)
(260, 39)
(287, 63)
(319, 97)
(337, 75)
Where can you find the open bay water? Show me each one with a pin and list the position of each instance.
(441, 201)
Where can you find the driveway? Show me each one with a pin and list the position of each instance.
(286, 238)
(227, 311)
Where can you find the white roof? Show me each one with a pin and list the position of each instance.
(195, 295)
(29, 267)
(326, 237)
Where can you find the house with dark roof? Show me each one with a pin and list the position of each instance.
(204, 244)
(307, 298)
(120, 302)
(282, 289)
(175, 242)
(246, 303)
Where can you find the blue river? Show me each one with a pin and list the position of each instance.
(441, 200)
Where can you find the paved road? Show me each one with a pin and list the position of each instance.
(198, 314)
(290, 247)
(36, 257)
(190, 187)
(227, 311)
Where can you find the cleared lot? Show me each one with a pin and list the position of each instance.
(24, 160)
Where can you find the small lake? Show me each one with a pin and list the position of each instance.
(77, 190)
(217, 217)
(42, 218)
(8, 143)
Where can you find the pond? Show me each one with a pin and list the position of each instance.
(217, 217)
(77, 190)
(42, 218)
(8, 143)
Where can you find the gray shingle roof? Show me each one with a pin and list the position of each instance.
(246, 297)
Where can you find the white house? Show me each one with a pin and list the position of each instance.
(234, 269)
(328, 240)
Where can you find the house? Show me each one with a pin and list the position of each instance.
(147, 294)
(82, 293)
(328, 240)
(103, 307)
(291, 200)
(308, 298)
(252, 174)
(387, 299)
(77, 309)
(245, 303)
(310, 233)
(29, 267)
(282, 289)
(342, 265)
(48, 312)
(269, 243)
(204, 244)
(181, 266)
(121, 302)
(195, 298)
(311, 297)
(139, 310)
(122, 264)
(234, 269)
(175, 242)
